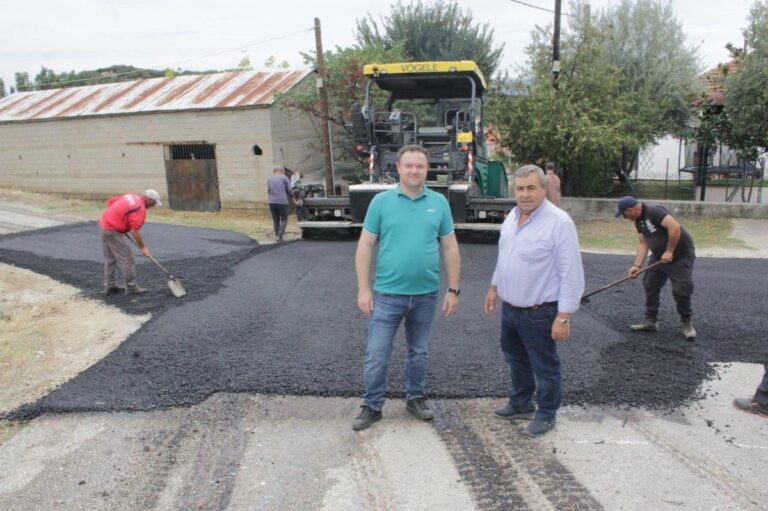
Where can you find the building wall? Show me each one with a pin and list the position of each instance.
(102, 156)
(296, 142)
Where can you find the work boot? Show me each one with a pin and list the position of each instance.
(687, 330)
(113, 290)
(367, 417)
(649, 324)
(510, 412)
(750, 406)
(134, 290)
(538, 427)
(418, 407)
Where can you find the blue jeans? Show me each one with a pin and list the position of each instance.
(531, 354)
(388, 312)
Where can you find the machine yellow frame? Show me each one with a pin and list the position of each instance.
(464, 67)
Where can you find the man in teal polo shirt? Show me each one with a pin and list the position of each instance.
(411, 223)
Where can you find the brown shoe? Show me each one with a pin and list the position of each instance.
(750, 406)
(113, 290)
(135, 290)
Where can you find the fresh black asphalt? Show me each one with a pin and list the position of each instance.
(282, 319)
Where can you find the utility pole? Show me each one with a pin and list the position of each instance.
(556, 45)
(329, 188)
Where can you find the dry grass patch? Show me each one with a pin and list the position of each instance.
(49, 334)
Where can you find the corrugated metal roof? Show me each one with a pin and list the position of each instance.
(192, 92)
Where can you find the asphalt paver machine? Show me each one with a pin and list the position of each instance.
(437, 105)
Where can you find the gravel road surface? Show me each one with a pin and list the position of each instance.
(282, 320)
(268, 343)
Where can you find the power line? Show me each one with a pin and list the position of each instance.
(190, 60)
(536, 7)
(243, 47)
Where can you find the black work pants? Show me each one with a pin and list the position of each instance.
(279, 217)
(680, 272)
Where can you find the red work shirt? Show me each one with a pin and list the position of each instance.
(124, 213)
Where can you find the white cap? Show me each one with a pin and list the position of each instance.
(152, 194)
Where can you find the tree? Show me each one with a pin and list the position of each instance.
(49, 79)
(626, 79)
(433, 31)
(646, 43)
(746, 93)
(245, 64)
(22, 81)
(582, 124)
(2, 88)
(345, 85)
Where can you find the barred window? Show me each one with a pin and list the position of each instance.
(190, 152)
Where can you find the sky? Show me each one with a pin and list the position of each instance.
(88, 34)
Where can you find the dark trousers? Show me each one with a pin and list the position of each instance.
(680, 272)
(279, 217)
(761, 394)
(531, 353)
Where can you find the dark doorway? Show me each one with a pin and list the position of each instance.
(193, 181)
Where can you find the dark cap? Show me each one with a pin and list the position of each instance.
(550, 165)
(624, 203)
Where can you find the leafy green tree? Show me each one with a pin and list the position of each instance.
(746, 96)
(433, 31)
(271, 63)
(49, 79)
(345, 85)
(624, 82)
(644, 40)
(3, 93)
(22, 81)
(582, 124)
(245, 64)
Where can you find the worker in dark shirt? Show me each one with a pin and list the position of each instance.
(671, 244)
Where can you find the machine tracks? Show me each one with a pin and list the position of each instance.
(504, 468)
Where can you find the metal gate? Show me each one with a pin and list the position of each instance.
(193, 182)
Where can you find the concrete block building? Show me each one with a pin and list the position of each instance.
(203, 141)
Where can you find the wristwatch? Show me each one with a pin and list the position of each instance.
(454, 291)
(563, 321)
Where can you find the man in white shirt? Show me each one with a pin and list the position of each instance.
(539, 278)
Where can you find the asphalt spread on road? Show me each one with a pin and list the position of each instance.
(282, 319)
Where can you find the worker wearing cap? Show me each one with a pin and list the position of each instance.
(278, 193)
(671, 244)
(124, 214)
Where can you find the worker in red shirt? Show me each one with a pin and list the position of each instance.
(124, 214)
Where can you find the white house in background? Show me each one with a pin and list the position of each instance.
(203, 141)
(673, 158)
(662, 160)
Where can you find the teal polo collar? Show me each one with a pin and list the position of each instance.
(423, 193)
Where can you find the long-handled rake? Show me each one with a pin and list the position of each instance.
(585, 298)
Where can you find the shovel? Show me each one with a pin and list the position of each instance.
(174, 283)
(585, 298)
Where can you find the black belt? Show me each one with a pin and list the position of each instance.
(534, 307)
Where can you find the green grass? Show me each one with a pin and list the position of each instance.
(674, 190)
(620, 235)
(602, 235)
